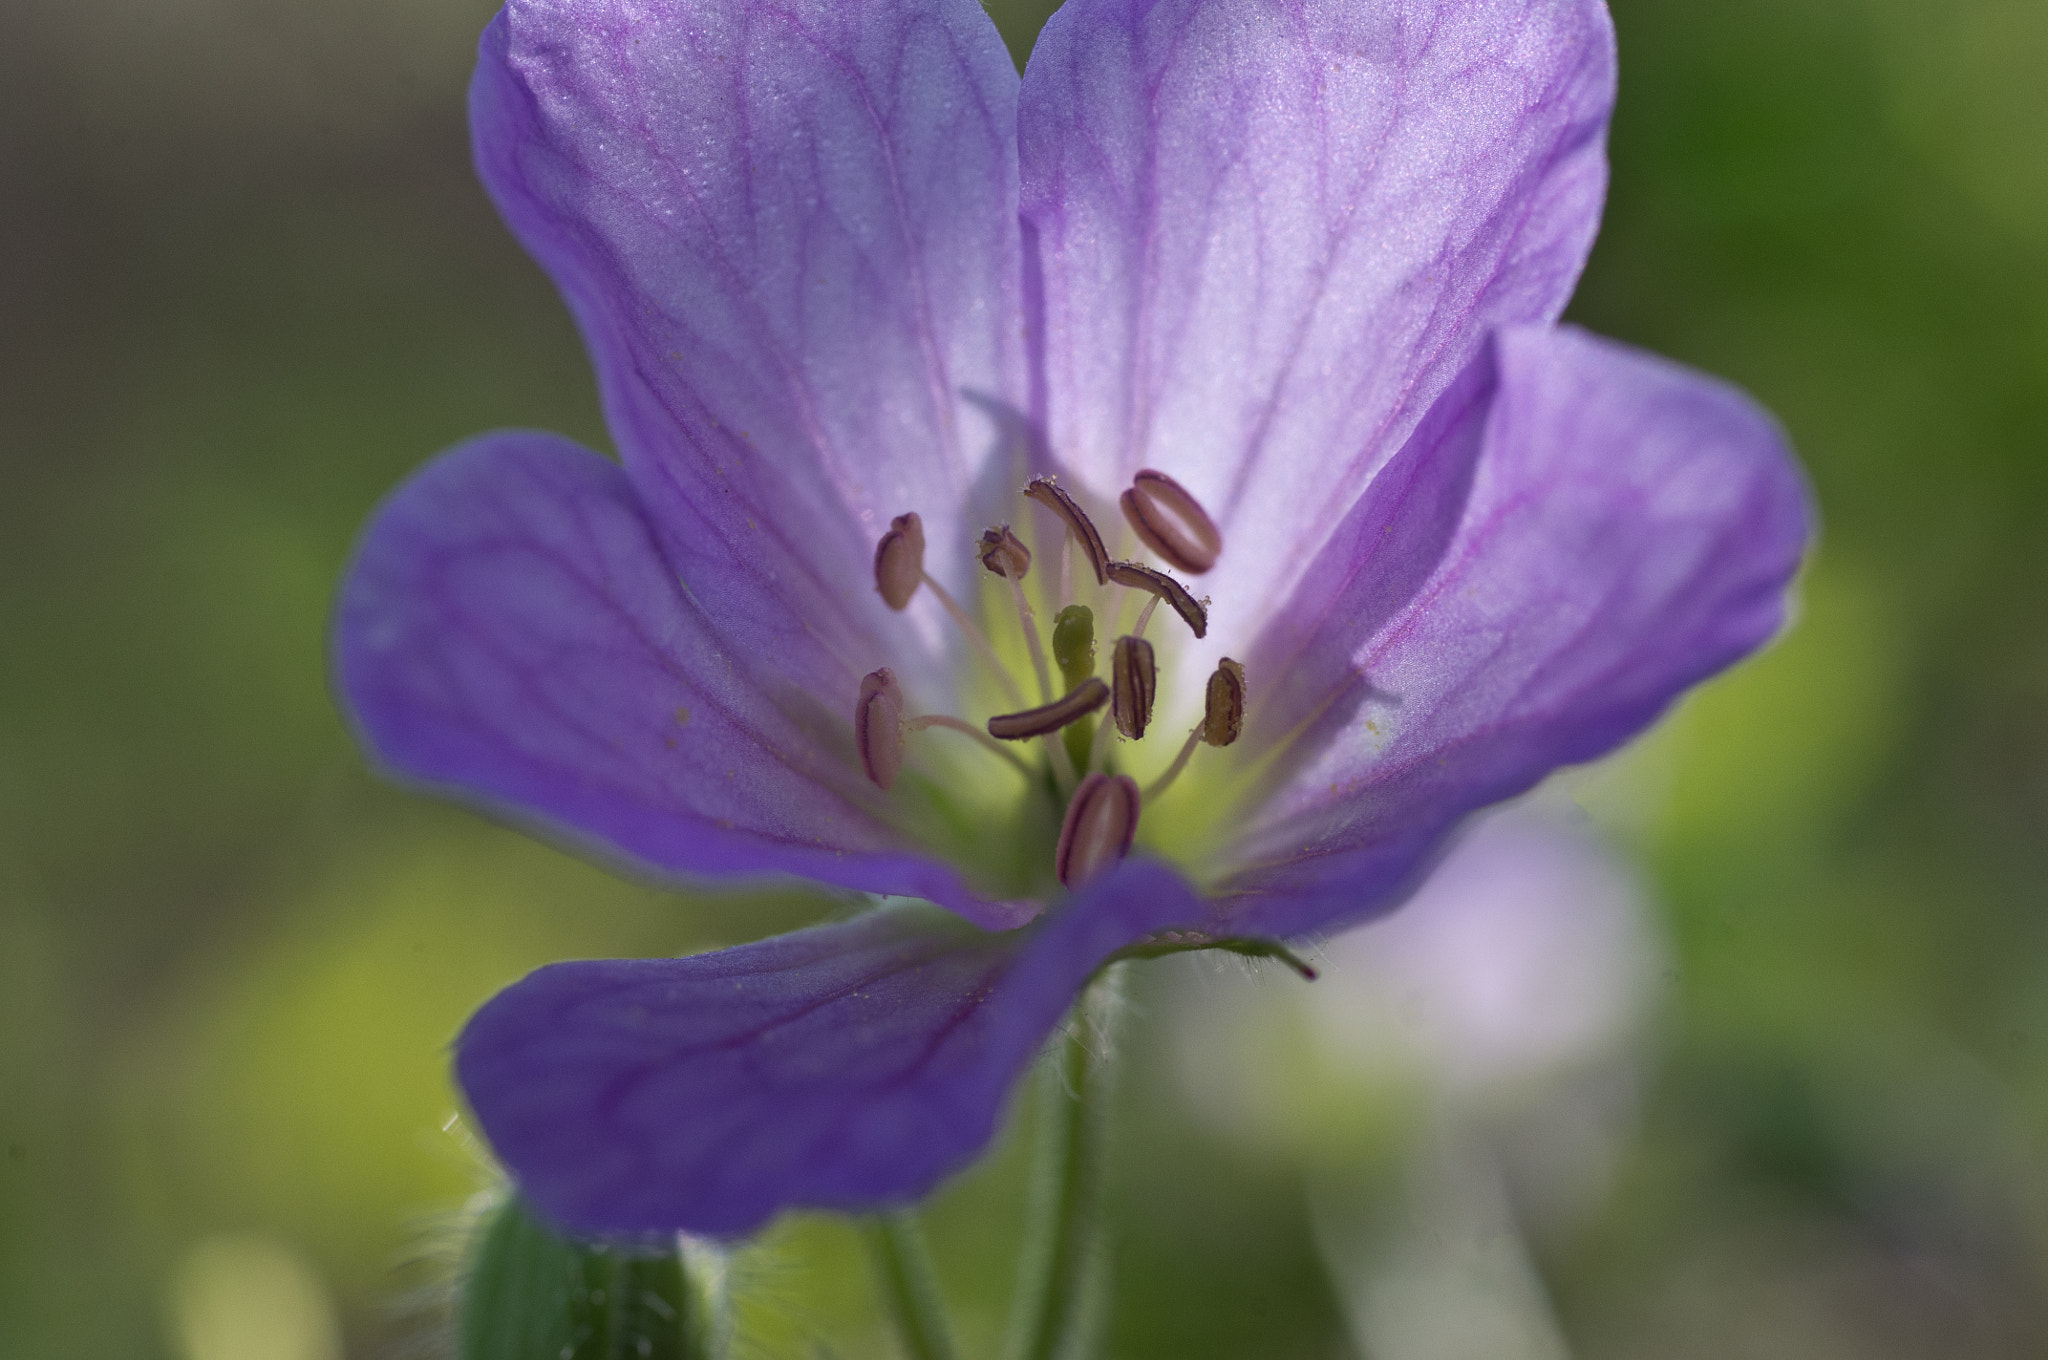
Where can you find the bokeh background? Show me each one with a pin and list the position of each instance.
(247, 282)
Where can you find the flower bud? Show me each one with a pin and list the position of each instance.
(529, 1290)
(1172, 522)
(899, 560)
(1133, 681)
(1003, 553)
(1101, 820)
(1223, 713)
(878, 726)
(1073, 643)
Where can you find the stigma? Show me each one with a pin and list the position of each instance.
(1073, 744)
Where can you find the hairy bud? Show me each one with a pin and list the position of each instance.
(1101, 820)
(1223, 713)
(1172, 522)
(899, 560)
(1003, 553)
(1133, 681)
(1049, 494)
(878, 726)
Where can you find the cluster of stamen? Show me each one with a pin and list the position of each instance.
(1102, 808)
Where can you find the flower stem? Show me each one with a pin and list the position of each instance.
(1063, 1277)
(910, 1288)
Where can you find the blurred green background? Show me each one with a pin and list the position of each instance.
(247, 281)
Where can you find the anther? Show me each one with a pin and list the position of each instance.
(878, 726)
(1133, 681)
(1003, 553)
(1172, 522)
(1222, 721)
(899, 560)
(1223, 712)
(1076, 704)
(1140, 577)
(1048, 493)
(1101, 820)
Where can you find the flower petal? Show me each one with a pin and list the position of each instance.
(845, 1067)
(510, 629)
(1271, 233)
(1578, 533)
(789, 234)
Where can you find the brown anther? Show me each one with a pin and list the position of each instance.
(1133, 681)
(1140, 577)
(1223, 713)
(1101, 820)
(899, 560)
(1076, 704)
(1172, 522)
(1003, 553)
(1047, 493)
(878, 726)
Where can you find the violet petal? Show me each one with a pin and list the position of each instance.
(510, 631)
(788, 232)
(1270, 233)
(846, 1067)
(1579, 533)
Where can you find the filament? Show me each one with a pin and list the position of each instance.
(1180, 762)
(953, 724)
(979, 639)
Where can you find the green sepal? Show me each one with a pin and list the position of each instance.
(1183, 942)
(529, 1293)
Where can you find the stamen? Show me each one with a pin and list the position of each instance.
(1097, 832)
(1047, 493)
(1180, 762)
(1172, 522)
(1003, 553)
(979, 639)
(1223, 711)
(1140, 577)
(1133, 682)
(1028, 621)
(878, 726)
(1222, 722)
(899, 560)
(1145, 615)
(1078, 703)
(953, 724)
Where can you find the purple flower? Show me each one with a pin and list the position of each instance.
(836, 263)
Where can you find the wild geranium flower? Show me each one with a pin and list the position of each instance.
(1231, 325)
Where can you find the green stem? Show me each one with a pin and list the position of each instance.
(909, 1285)
(1063, 1278)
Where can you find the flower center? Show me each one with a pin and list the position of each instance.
(1067, 751)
